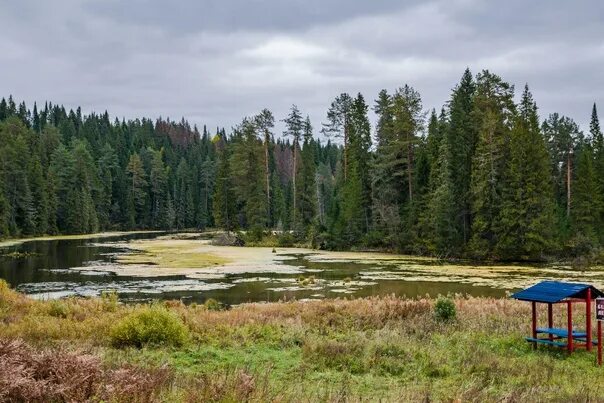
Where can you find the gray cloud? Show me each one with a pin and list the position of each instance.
(215, 61)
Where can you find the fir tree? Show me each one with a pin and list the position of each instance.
(137, 192)
(462, 139)
(307, 182)
(360, 145)
(598, 145)
(525, 222)
(562, 136)
(224, 199)
(439, 219)
(493, 114)
(339, 123)
(585, 204)
(265, 123)
(294, 127)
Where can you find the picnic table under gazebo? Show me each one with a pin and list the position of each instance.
(557, 292)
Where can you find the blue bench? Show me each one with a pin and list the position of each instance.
(546, 341)
(561, 332)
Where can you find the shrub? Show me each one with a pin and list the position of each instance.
(342, 355)
(254, 234)
(285, 239)
(444, 309)
(110, 301)
(58, 309)
(149, 326)
(59, 375)
(212, 305)
(390, 358)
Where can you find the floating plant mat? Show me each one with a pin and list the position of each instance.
(180, 254)
(52, 290)
(188, 266)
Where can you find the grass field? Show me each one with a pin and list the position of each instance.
(388, 349)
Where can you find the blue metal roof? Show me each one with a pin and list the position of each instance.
(554, 291)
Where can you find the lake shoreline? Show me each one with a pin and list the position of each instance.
(271, 242)
(188, 266)
(6, 243)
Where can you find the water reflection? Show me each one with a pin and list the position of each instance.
(44, 270)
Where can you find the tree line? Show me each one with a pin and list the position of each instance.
(482, 177)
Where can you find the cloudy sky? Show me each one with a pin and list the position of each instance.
(214, 61)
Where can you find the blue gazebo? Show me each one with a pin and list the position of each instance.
(557, 292)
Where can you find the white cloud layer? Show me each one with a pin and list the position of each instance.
(214, 62)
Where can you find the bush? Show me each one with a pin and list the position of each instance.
(341, 355)
(58, 375)
(149, 326)
(285, 239)
(58, 309)
(444, 309)
(212, 305)
(254, 234)
(110, 301)
(390, 358)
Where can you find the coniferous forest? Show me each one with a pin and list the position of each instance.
(484, 177)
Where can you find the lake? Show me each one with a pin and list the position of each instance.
(147, 266)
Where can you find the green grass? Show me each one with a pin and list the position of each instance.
(386, 348)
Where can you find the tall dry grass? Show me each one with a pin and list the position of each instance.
(388, 348)
(58, 375)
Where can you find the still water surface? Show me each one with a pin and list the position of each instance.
(57, 268)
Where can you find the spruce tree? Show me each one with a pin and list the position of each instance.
(294, 127)
(36, 125)
(597, 138)
(462, 139)
(224, 198)
(14, 166)
(439, 219)
(265, 122)
(158, 182)
(83, 217)
(247, 167)
(562, 136)
(493, 115)
(385, 185)
(525, 222)
(107, 167)
(585, 206)
(307, 182)
(360, 145)
(137, 192)
(339, 124)
(39, 196)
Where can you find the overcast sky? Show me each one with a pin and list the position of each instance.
(215, 61)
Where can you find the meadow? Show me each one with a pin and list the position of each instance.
(387, 348)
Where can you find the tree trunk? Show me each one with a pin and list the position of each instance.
(268, 179)
(345, 148)
(568, 180)
(409, 170)
(294, 184)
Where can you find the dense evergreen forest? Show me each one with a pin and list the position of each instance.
(483, 177)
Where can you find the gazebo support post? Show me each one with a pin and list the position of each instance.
(550, 320)
(600, 342)
(569, 316)
(534, 323)
(588, 318)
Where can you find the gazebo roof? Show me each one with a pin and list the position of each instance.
(555, 291)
